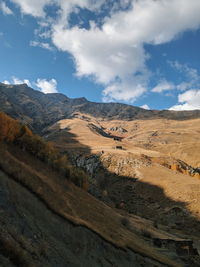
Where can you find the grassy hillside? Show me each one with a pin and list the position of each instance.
(146, 177)
(49, 221)
(14, 133)
(46, 215)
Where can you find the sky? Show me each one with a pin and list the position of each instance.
(144, 53)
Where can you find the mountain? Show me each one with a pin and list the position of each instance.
(39, 110)
(138, 177)
(48, 221)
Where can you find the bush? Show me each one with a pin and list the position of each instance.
(12, 131)
(125, 221)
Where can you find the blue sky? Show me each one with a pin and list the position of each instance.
(145, 53)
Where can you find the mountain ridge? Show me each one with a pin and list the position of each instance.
(39, 110)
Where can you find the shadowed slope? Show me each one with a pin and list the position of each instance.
(69, 203)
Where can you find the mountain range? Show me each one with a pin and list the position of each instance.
(39, 110)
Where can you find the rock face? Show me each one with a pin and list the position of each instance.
(118, 129)
(40, 110)
(184, 168)
(90, 163)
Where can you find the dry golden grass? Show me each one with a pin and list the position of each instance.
(178, 139)
(149, 145)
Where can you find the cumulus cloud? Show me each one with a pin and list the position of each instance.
(145, 106)
(189, 100)
(5, 9)
(19, 81)
(46, 86)
(127, 90)
(112, 52)
(163, 86)
(15, 80)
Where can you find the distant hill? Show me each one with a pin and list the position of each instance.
(39, 110)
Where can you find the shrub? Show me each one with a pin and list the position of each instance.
(125, 221)
(12, 131)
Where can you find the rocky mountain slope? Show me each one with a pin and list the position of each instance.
(39, 110)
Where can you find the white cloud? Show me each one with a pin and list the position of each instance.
(5, 9)
(190, 100)
(115, 51)
(127, 91)
(163, 86)
(18, 81)
(46, 86)
(184, 86)
(190, 73)
(145, 106)
(190, 76)
(36, 8)
(6, 82)
(113, 54)
(42, 45)
(33, 7)
(15, 80)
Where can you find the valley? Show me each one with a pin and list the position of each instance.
(140, 204)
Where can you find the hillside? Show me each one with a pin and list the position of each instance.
(158, 137)
(40, 110)
(121, 155)
(45, 216)
(141, 169)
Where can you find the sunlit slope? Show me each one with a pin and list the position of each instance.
(178, 139)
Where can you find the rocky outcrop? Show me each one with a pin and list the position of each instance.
(98, 130)
(184, 168)
(90, 163)
(127, 166)
(118, 129)
(177, 165)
